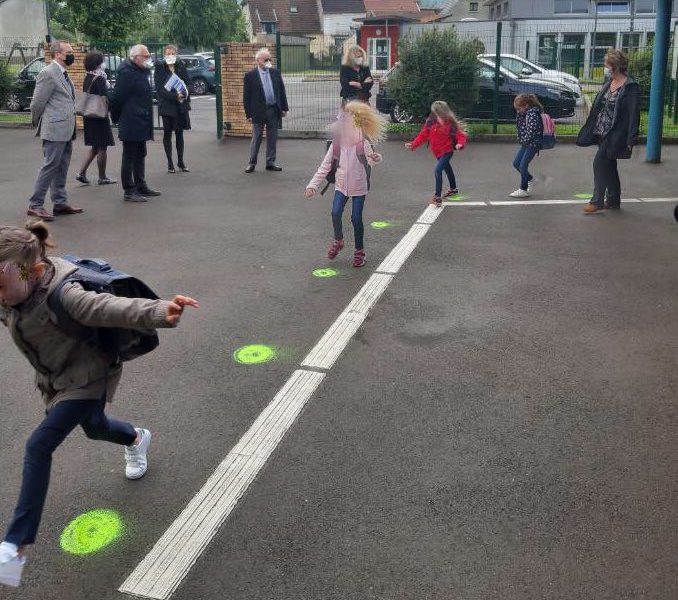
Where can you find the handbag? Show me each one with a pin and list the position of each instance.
(92, 106)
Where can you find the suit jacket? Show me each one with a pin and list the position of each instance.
(53, 105)
(254, 99)
(132, 103)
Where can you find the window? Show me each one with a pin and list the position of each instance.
(379, 53)
(506, 9)
(548, 51)
(34, 68)
(492, 13)
(473, 7)
(571, 7)
(572, 53)
(630, 41)
(613, 7)
(604, 41)
(646, 6)
(269, 26)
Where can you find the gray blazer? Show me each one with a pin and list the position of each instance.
(53, 105)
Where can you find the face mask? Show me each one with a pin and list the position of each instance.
(358, 61)
(607, 71)
(148, 64)
(69, 60)
(102, 67)
(171, 59)
(268, 64)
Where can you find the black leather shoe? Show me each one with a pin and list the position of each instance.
(148, 192)
(134, 197)
(249, 169)
(273, 168)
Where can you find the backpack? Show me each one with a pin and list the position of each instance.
(548, 140)
(96, 275)
(336, 154)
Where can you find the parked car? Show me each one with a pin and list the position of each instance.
(205, 54)
(202, 71)
(522, 67)
(22, 90)
(557, 99)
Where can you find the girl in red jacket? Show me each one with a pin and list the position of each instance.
(445, 134)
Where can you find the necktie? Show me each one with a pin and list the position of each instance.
(70, 84)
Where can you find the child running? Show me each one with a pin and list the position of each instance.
(530, 132)
(445, 134)
(351, 154)
(76, 380)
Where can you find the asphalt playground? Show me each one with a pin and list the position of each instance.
(501, 425)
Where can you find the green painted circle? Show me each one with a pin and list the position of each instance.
(380, 224)
(254, 354)
(583, 196)
(91, 532)
(323, 273)
(457, 198)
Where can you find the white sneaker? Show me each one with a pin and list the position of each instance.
(11, 565)
(529, 187)
(135, 456)
(519, 193)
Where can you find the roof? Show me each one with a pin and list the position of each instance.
(305, 20)
(391, 7)
(339, 7)
(431, 4)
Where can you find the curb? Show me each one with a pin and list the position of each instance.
(9, 125)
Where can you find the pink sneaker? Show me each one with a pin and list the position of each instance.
(359, 258)
(437, 200)
(334, 249)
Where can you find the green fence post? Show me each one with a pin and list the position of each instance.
(278, 52)
(577, 61)
(497, 73)
(218, 90)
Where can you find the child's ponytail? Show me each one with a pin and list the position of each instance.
(25, 245)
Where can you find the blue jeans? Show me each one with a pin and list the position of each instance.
(443, 164)
(63, 418)
(521, 163)
(356, 217)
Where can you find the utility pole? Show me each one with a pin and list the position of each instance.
(48, 18)
(632, 8)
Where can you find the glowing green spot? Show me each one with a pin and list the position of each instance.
(91, 532)
(456, 198)
(325, 273)
(380, 224)
(583, 196)
(254, 354)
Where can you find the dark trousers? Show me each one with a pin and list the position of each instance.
(605, 178)
(356, 218)
(57, 159)
(443, 164)
(54, 429)
(133, 171)
(271, 125)
(169, 126)
(522, 162)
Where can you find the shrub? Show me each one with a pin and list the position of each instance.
(6, 83)
(640, 68)
(436, 65)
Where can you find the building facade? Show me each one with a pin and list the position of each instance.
(23, 22)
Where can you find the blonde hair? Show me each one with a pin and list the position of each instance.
(617, 60)
(368, 120)
(529, 100)
(351, 51)
(26, 245)
(442, 109)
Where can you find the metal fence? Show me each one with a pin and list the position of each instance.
(560, 62)
(18, 52)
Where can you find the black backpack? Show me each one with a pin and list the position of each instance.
(96, 275)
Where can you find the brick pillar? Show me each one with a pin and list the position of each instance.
(76, 72)
(236, 60)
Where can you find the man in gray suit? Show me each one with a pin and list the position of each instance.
(53, 112)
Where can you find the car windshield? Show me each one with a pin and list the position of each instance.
(34, 68)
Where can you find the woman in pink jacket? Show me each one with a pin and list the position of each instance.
(350, 158)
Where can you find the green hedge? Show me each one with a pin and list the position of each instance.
(6, 83)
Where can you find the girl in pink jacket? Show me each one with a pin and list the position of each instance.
(351, 158)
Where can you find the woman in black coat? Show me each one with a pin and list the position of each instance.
(613, 125)
(355, 77)
(98, 133)
(173, 105)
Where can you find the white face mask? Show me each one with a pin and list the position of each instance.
(268, 64)
(171, 59)
(102, 67)
(148, 63)
(358, 61)
(607, 71)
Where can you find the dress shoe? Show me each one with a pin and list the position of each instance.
(41, 213)
(134, 197)
(592, 209)
(184, 169)
(612, 205)
(66, 209)
(148, 192)
(273, 168)
(249, 169)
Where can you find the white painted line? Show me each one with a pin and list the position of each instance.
(534, 202)
(165, 566)
(332, 344)
(429, 216)
(659, 199)
(403, 249)
(630, 200)
(474, 203)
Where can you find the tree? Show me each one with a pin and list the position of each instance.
(436, 65)
(109, 20)
(640, 68)
(203, 23)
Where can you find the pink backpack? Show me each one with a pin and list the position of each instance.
(548, 139)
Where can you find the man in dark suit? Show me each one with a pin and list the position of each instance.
(132, 110)
(265, 104)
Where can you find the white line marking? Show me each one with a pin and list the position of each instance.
(464, 203)
(429, 216)
(332, 344)
(534, 202)
(166, 565)
(405, 247)
(161, 571)
(659, 199)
